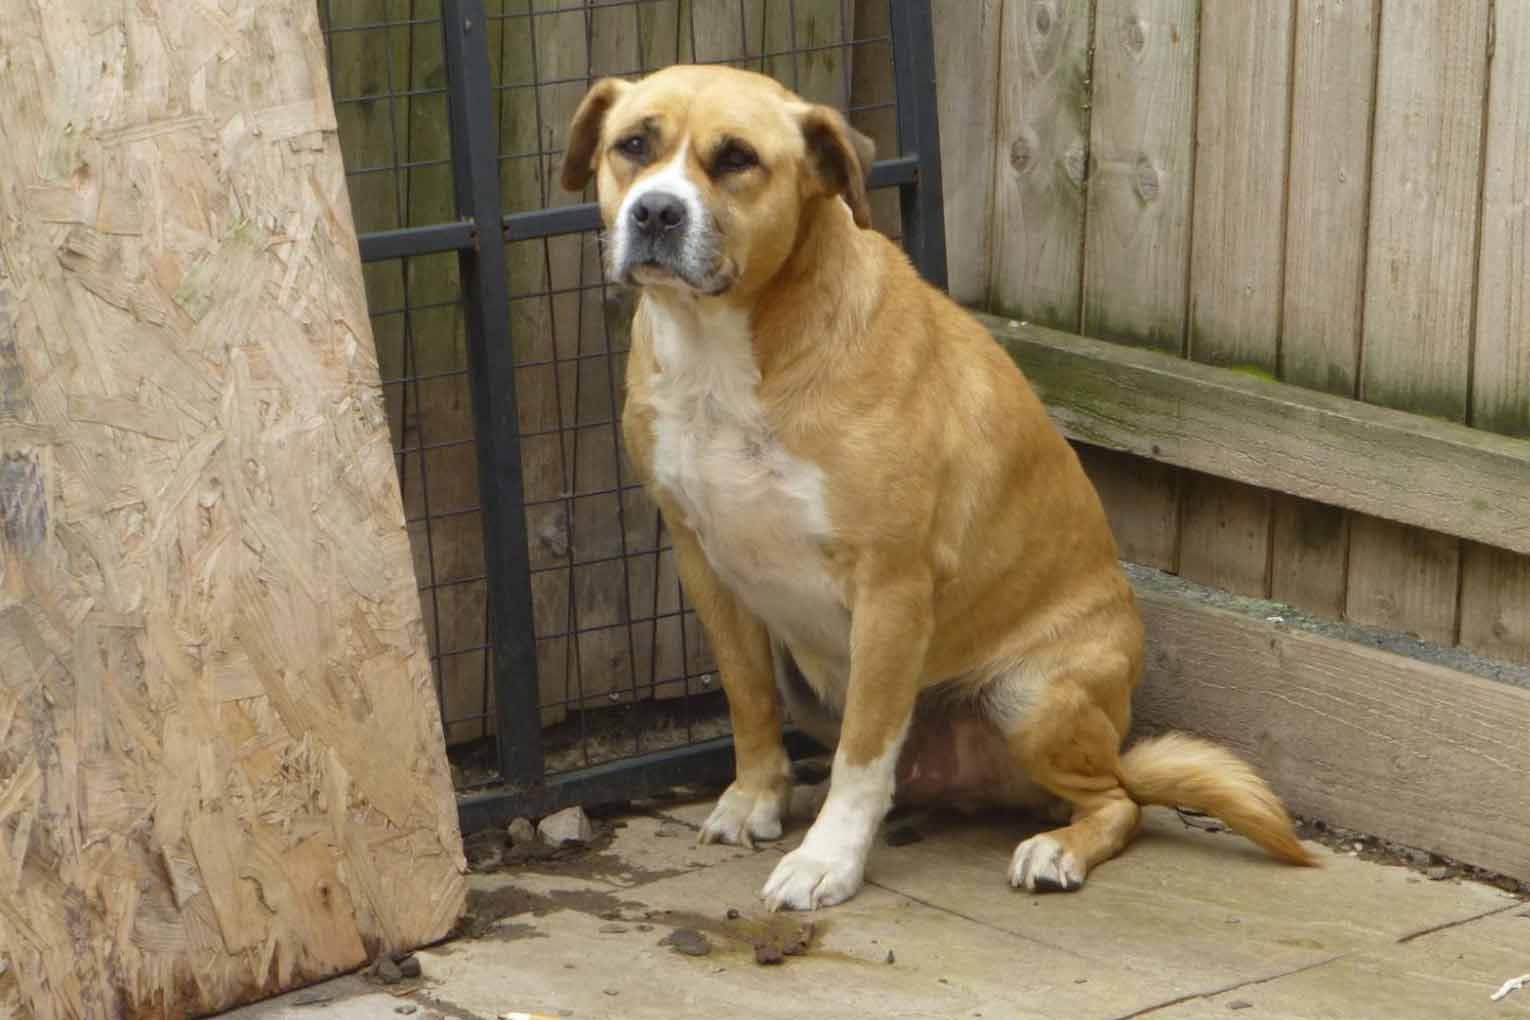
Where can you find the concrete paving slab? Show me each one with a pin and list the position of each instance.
(944, 965)
(1209, 909)
(1447, 975)
(1183, 925)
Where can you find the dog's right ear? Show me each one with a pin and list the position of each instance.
(584, 133)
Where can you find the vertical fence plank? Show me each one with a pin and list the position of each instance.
(1331, 104)
(1137, 237)
(1431, 81)
(1041, 162)
(1243, 105)
(1495, 585)
(967, 65)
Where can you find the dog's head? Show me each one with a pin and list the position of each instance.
(704, 174)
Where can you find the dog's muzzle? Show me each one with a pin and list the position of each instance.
(659, 238)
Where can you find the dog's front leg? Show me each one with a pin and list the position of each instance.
(889, 634)
(753, 806)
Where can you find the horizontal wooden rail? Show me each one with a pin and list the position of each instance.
(1404, 467)
(1414, 751)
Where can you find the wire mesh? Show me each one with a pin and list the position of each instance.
(623, 665)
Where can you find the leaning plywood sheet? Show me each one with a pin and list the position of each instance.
(221, 768)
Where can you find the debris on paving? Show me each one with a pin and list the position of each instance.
(687, 942)
(1511, 985)
(521, 831)
(571, 825)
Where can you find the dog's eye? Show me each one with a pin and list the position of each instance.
(635, 146)
(734, 158)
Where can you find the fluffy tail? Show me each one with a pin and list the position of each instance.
(1176, 770)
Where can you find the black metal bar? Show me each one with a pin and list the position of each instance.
(439, 237)
(475, 171)
(705, 763)
(573, 219)
(924, 229)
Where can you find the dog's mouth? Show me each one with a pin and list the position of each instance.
(711, 282)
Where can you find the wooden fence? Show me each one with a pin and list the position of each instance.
(1333, 195)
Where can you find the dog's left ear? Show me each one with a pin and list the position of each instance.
(584, 132)
(839, 158)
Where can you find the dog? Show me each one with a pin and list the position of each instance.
(878, 525)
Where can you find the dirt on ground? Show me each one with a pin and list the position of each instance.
(1374, 849)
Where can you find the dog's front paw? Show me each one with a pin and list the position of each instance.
(806, 882)
(743, 816)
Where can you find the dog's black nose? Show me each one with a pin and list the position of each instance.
(657, 213)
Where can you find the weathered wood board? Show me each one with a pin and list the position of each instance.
(221, 763)
(1414, 751)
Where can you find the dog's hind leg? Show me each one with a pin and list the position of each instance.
(1067, 739)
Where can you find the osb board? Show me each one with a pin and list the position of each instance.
(221, 768)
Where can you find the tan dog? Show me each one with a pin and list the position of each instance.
(853, 471)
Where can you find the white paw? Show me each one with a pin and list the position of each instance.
(1040, 864)
(742, 817)
(802, 882)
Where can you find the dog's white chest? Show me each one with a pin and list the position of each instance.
(758, 510)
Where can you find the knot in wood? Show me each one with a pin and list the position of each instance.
(1134, 34)
(1145, 179)
(1022, 152)
(1043, 18)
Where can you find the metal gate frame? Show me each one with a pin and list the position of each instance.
(524, 789)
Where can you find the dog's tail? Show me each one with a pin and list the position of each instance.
(1177, 770)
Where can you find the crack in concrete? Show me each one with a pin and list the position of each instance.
(1405, 939)
(983, 924)
(1236, 986)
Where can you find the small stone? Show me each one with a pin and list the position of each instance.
(1233, 920)
(522, 832)
(767, 955)
(645, 927)
(732, 914)
(389, 972)
(1081, 981)
(311, 999)
(571, 825)
(1240, 1004)
(409, 967)
(1440, 873)
(612, 929)
(687, 942)
(406, 1010)
(891, 957)
(611, 991)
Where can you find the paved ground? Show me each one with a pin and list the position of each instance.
(1187, 924)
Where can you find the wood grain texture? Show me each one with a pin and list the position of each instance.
(221, 764)
(1141, 124)
(1242, 118)
(1495, 585)
(1041, 161)
(1424, 755)
(1132, 490)
(1137, 217)
(1431, 83)
(1333, 95)
(967, 75)
(1405, 467)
